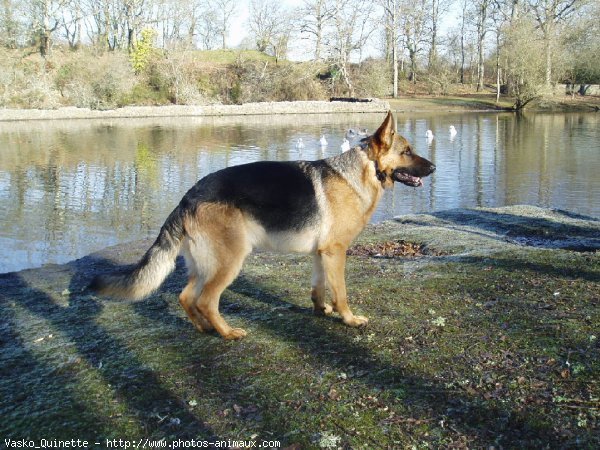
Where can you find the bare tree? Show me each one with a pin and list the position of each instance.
(437, 9)
(463, 29)
(71, 21)
(481, 18)
(45, 17)
(523, 47)
(352, 27)
(548, 15)
(315, 16)
(413, 25)
(582, 42)
(391, 15)
(264, 21)
(224, 10)
(207, 27)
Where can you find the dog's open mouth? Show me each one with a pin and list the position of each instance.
(407, 179)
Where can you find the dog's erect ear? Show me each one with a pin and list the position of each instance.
(384, 136)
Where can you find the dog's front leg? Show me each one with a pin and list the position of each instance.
(334, 263)
(317, 293)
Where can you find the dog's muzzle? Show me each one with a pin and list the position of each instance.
(410, 178)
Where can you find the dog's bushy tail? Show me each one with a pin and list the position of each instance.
(148, 274)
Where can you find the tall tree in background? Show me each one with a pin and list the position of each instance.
(481, 17)
(437, 9)
(264, 22)
(549, 14)
(207, 27)
(391, 15)
(45, 18)
(523, 49)
(463, 29)
(315, 17)
(225, 11)
(582, 42)
(352, 27)
(413, 24)
(71, 22)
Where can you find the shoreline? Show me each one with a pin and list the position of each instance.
(247, 109)
(562, 232)
(404, 105)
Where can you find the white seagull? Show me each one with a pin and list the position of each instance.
(429, 134)
(345, 145)
(323, 141)
(299, 144)
(452, 131)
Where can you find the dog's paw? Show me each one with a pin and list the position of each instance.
(356, 321)
(324, 310)
(235, 333)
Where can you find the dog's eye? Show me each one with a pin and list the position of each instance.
(407, 152)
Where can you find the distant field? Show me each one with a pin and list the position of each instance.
(470, 102)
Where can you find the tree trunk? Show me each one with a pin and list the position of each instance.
(434, 21)
(480, 64)
(462, 45)
(130, 39)
(412, 54)
(395, 71)
(44, 43)
(318, 41)
(497, 66)
(394, 44)
(548, 49)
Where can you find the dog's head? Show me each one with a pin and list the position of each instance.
(394, 157)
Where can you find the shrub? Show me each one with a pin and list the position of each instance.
(144, 50)
(94, 81)
(372, 79)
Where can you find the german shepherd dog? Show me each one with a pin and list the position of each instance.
(315, 207)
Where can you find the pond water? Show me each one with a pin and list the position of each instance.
(72, 187)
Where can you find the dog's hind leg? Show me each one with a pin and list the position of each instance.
(208, 302)
(334, 263)
(191, 291)
(218, 254)
(186, 300)
(317, 293)
(217, 244)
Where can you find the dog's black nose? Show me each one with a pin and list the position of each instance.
(431, 168)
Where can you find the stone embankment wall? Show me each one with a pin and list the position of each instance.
(307, 107)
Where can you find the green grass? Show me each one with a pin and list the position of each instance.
(445, 103)
(482, 102)
(493, 348)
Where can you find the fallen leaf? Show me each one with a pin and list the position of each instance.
(333, 394)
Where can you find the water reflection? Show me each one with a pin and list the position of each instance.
(69, 188)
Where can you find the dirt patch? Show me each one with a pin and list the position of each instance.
(391, 249)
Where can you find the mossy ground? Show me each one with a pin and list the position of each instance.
(488, 344)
